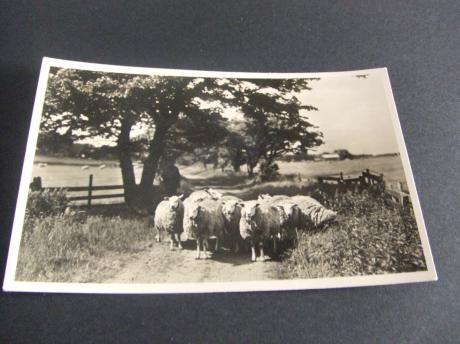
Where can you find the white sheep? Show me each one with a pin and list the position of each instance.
(292, 218)
(169, 216)
(204, 220)
(231, 209)
(270, 198)
(195, 198)
(312, 212)
(207, 193)
(289, 206)
(260, 221)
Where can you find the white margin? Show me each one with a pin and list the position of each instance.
(10, 284)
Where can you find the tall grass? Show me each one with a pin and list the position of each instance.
(371, 236)
(69, 248)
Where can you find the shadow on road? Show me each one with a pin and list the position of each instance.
(228, 256)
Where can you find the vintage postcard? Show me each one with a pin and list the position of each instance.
(144, 180)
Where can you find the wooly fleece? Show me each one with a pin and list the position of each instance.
(259, 220)
(231, 210)
(169, 215)
(204, 220)
(291, 210)
(192, 201)
(312, 212)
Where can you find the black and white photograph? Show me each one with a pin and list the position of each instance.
(143, 180)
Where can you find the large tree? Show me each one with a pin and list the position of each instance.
(274, 122)
(111, 105)
(183, 114)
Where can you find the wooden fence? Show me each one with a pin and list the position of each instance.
(89, 197)
(368, 179)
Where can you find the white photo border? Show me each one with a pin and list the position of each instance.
(10, 284)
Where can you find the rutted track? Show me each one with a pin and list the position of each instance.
(158, 264)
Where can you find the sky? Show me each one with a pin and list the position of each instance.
(352, 114)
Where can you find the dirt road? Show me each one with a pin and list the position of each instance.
(158, 264)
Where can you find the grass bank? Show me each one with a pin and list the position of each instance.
(371, 236)
(78, 248)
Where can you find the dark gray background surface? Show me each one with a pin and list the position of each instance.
(417, 40)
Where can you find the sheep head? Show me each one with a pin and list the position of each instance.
(230, 209)
(174, 202)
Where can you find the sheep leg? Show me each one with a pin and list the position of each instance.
(253, 251)
(171, 241)
(207, 254)
(198, 248)
(179, 244)
(158, 237)
(261, 248)
(237, 246)
(216, 247)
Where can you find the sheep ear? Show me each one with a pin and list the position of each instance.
(181, 196)
(241, 205)
(165, 198)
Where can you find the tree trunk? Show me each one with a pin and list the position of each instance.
(237, 160)
(250, 167)
(126, 165)
(147, 194)
(236, 167)
(156, 150)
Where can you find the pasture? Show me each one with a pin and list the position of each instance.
(110, 244)
(67, 173)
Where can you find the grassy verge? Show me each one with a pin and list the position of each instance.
(80, 248)
(371, 236)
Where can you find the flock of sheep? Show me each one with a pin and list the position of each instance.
(208, 213)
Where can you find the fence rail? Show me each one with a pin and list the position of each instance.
(397, 194)
(89, 197)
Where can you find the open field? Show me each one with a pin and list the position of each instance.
(228, 182)
(390, 166)
(43, 159)
(66, 175)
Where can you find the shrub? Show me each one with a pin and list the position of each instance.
(371, 236)
(46, 202)
(268, 171)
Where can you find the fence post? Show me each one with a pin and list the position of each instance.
(401, 195)
(341, 186)
(365, 178)
(90, 190)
